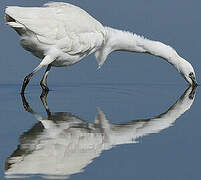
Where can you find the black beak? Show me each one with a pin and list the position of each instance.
(194, 81)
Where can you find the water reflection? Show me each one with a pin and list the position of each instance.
(63, 144)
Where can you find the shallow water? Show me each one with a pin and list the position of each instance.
(103, 130)
(88, 130)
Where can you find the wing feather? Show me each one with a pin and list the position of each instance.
(68, 25)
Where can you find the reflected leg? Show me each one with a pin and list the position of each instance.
(43, 98)
(25, 104)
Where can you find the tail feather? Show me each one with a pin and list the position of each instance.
(11, 13)
(11, 21)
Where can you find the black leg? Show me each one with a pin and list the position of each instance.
(43, 98)
(25, 82)
(27, 78)
(25, 104)
(43, 82)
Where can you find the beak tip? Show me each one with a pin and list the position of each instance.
(194, 84)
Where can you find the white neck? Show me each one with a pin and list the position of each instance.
(125, 41)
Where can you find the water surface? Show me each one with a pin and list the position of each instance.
(123, 121)
(86, 130)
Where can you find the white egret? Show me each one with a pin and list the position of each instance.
(62, 34)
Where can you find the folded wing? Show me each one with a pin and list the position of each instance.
(68, 25)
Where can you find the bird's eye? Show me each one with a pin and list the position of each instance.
(191, 74)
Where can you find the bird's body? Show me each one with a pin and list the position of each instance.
(62, 34)
(54, 29)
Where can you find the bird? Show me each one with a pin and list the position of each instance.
(63, 144)
(62, 34)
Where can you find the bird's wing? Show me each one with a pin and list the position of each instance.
(60, 21)
(79, 43)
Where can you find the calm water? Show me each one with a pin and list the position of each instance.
(132, 119)
(88, 131)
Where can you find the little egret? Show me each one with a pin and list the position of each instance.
(62, 34)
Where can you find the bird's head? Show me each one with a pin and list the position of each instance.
(187, 71)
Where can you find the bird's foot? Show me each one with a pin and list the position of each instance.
(44, 91)
(44, 86)
(25, 82)
(44, 94)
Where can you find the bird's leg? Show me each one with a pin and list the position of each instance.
(47, 60)
(28, 77)
(25, 82)
(43, 82)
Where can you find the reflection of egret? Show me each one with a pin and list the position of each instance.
(62, 34)
(63, 144)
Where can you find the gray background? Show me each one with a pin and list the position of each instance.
(129, 86)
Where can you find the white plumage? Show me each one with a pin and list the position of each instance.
(65, 31)
(62, 34)
(64, 144)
